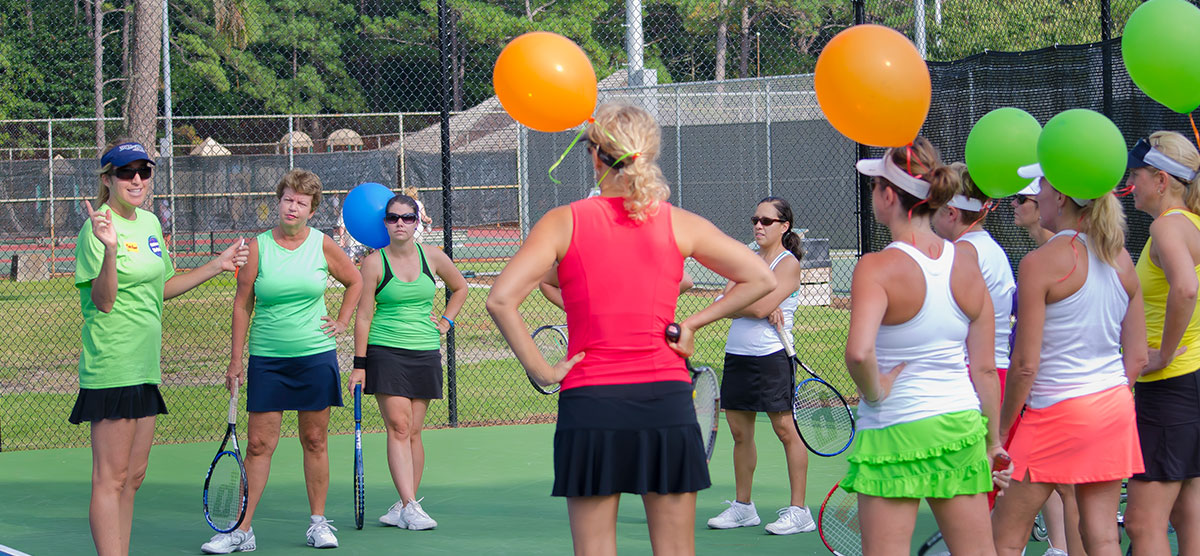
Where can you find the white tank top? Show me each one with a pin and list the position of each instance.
(932, 343)
(749, 336)
(1081, 340)
(998, 276)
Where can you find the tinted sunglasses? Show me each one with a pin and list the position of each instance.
(408, 217)
(1022, 199)
(125, 173)
(764, 220)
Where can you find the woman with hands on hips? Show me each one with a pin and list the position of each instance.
(397, 342)
(293, 350)
(124, 272)
(926, 422)
(626, 423)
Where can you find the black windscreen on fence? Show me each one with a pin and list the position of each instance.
(1042, 82)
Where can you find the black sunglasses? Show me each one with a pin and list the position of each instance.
(764, 220)
(408, 217)
(1022, 199)
(125, 173)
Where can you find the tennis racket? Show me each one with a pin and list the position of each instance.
(706, 397)
(360, 488)
(225, 488)
(838, 523)
(551, 340)
(929, 543)
(820, 413)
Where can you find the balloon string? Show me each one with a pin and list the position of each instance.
(563, 156)
(987, 207)
(1124, 191)
(1074, 253)
(1194, 132)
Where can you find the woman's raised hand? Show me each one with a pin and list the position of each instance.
(102, 225)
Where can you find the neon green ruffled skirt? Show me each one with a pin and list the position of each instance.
(935, 457)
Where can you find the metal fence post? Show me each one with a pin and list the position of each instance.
(861, 152)
(447, 211)
(678, 152)
(1106, 54)
(523, 180)
(401, 124)
(291, 143)
(767, 102)
(50, 159)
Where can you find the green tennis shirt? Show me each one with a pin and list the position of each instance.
(123, 347)
(402, 310)
(289, 299)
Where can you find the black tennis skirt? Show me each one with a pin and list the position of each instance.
(635, 438)
(1168, 421)
(123, 402)
(306, 383)
(757, 382)
(414, 374)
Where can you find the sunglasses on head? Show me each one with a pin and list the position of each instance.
(764, 220)
(126, 173)
(408, 217)
(1022, 199)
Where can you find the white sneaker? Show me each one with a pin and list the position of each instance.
(320, 533)
(736, 515)
(1054, 552)
(792, 520)
(394, 516)
(234, 541)
(416, 518)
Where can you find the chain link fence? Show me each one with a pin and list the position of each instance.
(233, 93)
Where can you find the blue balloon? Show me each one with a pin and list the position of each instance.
(363, 214)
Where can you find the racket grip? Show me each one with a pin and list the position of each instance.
(673, 332)
(357, 402)
(1001, 462)
(241, 242)
(787, 345)
(233, 396)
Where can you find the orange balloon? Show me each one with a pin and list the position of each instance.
(545, 81)
(873, 86)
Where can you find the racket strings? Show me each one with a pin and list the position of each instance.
(839, 524)
(225, 499)
(822, 416)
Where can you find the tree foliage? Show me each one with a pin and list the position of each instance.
(340, 56)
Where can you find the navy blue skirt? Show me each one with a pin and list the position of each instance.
(635, 438)
(122, 402)
(308, 383)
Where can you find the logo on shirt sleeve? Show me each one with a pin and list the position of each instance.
(154, 246)
(131, 246)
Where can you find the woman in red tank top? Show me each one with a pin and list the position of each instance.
(626, 421)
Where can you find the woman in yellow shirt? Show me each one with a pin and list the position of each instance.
(1167, 395)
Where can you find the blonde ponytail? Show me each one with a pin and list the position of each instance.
(628, 139)
(1105, 226)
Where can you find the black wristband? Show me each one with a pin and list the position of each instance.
(360, 362)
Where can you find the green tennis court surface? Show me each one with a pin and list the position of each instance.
(488, 488)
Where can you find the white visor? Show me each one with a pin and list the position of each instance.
(1034, 172)
(962, 202)
(885, 168)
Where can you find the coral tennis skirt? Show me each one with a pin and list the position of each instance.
(1088, 439)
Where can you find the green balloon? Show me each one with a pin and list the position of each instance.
(1082, 153)
(1002, 141)
(1161, 48)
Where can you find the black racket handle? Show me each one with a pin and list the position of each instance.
(673, 331)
